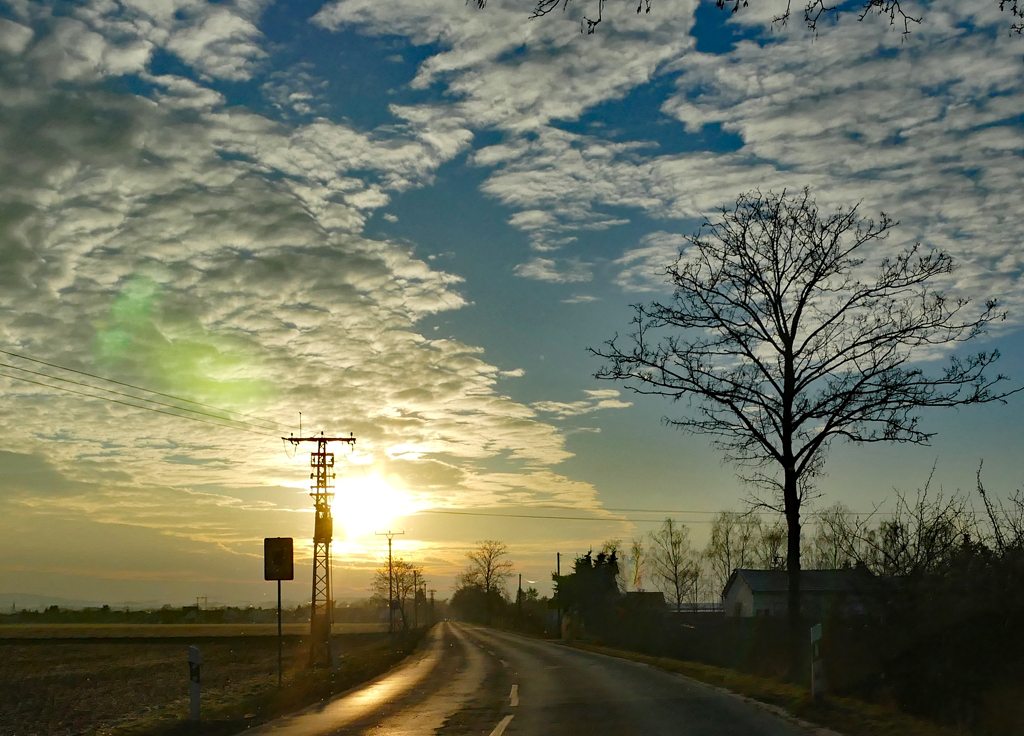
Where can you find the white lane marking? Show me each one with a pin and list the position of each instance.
(503, 663)
(502, 725)
(513, 696)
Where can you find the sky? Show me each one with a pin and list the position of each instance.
(409, 220)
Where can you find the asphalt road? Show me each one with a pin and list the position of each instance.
(471, 680)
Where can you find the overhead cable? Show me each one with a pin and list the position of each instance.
(131, 396)
(141, 388)
(136, 406)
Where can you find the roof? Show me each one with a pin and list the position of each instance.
(811, 581)
(644, 599)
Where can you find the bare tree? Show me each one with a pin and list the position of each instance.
(769, 542)
(636, 563)
(780, 342)
(673, 561)
(402, 580)
(1006, 520)
(488, 569)
(832, 547)
(731, 544)
(813, 11)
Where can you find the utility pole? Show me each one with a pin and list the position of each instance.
(519, 600)
(433, 613)
(321, 609)
(558, 589)
(391, 580)
(415, 598)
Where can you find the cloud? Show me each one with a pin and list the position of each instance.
(508, 72)
(210, 252)
(14, 37)
(522, 78)
(599, 399)
(927, 130)
(922, 130)
(297, 90)
(554, 271)
(580, 299)
(643, 268)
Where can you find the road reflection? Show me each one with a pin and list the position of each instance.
(364, 702)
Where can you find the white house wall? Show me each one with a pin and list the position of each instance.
(739, 601)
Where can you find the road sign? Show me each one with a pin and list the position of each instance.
(278, 563)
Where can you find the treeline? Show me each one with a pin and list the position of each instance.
(941, 636)
(360, 612)
(692, 578)
(481, 594)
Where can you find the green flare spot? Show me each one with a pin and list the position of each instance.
(156, 341)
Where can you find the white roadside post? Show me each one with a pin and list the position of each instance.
(195, 659)
(817, 665)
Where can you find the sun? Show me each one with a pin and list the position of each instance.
(368, 504)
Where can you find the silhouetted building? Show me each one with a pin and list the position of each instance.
(765, 592)
(643, 600)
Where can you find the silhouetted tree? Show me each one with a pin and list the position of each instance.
(488, 569)
(731, 544)
(673, 562)
(781, 343)
(402, 576)
(591, 590)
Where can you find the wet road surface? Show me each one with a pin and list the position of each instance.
(471, 680)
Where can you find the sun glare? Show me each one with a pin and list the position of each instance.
(368, 504)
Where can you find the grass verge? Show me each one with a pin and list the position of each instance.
(259, 700)
(139, 687)
(847, 716)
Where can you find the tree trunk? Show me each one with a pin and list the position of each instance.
(792, 505)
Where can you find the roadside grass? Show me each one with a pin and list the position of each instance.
(258, 700)
(846, 716)
(164, 631)
(139, 687)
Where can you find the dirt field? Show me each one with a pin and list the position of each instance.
(123, 687)
(162, 631)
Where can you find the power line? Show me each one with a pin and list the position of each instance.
(130, 396)
(539, 516)
(147, 390)
(594, 518)
(135, 406)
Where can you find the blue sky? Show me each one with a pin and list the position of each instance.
(409, 220)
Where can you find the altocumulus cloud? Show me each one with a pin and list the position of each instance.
(170, 240)
(926, 129)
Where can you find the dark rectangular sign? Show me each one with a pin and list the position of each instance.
(277, 559)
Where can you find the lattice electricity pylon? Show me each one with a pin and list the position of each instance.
(321, 609)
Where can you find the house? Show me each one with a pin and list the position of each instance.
(765, 592)
(642, 600)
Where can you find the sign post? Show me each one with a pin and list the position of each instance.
(278, 564)
(817, 665)
(195, 659)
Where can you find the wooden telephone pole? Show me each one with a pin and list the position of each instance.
(321, 609)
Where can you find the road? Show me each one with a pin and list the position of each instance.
(471, 680)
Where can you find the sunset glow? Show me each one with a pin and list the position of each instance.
(367, 504)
